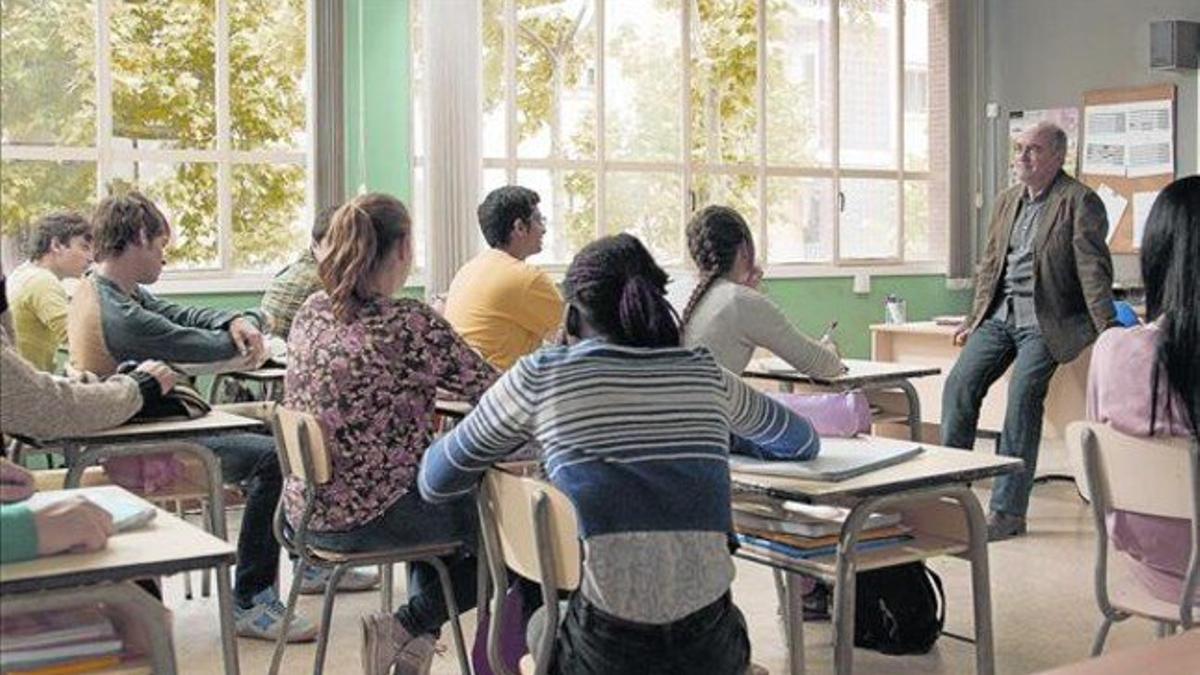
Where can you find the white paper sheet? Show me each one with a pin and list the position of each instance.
(1114, 207)
(1142, 201)
(1105, 139)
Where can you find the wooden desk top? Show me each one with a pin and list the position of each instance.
(861, 372)
(918, 327)
(259, 375)
(1175, 655)
(216, 421)
(167, 545)
(936, 465)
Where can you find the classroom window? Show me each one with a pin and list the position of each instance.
(201, 104)
(811, 117)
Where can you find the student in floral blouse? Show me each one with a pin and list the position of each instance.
(368, 365)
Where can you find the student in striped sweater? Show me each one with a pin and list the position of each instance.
(635, 430)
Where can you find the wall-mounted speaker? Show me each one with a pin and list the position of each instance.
(1174, 44)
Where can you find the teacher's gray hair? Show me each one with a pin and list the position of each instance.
(1058, 137)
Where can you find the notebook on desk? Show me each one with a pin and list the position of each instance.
(127, 514)
(840, 458)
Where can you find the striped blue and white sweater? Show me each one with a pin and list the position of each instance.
(638, 439)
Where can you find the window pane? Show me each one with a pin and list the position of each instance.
(739, 192)
(569, 207)
(556, 78)
(916, 85)
(924, 230)
(30, 190)
(494, 91)
(47, 66)
(187, 195)
(799, 91)
(268, 84)
(164, 73)
(646, 205)
(641, 79)
(868, 223)
(868, 97)
(269, 224)
(799, 220)
(724, 87)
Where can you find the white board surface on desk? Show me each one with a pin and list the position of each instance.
(840, 458)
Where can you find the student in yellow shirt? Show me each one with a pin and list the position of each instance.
(61, 249)
(501, 305)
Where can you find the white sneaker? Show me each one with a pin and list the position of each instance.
(264, 619)
(315, 580)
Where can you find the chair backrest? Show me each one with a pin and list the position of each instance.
(514, 502)
(1154, 476)
(303, 453)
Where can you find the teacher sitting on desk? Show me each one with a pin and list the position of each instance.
(1043, 293)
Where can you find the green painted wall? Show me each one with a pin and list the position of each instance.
(812, 303)
(378, 53)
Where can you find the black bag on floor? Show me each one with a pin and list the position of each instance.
(899, 610)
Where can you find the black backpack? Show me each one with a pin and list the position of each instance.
(899, 610)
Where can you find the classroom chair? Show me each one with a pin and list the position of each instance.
(1153, 476)
(303, 455)
(528, 525)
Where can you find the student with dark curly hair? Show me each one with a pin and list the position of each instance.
(635, 430)
(727, 313)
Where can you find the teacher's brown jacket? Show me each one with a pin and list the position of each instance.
(1072, 269)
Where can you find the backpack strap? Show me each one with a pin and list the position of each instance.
(941, 595)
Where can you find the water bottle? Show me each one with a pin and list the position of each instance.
(895, 310)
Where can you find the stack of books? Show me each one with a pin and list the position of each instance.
(792, 531)
(58, 642)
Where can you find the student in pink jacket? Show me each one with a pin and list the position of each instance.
(1145, 380)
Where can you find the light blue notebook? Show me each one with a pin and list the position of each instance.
(127, 514)
(840, 458)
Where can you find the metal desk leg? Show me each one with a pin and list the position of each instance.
(225, 606)
(847, 564)
(795, 623)
(914, 408)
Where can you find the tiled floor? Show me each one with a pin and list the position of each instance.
(1044, 610)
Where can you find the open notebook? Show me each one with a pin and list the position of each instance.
(840, 458)
(127, 514)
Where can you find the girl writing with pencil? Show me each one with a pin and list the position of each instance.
(728, 314)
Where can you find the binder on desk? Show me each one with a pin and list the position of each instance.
(840, 458)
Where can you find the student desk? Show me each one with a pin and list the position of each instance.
(870, 376)
(132, 439)
(929, 491)
(166, 546)
(1174, 655)
(928, 344)
(270, 379)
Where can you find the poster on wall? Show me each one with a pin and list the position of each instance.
(1130, 139)
(1067, 119)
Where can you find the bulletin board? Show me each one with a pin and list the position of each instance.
(1145, 172)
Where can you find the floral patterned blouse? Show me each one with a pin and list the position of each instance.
(372, 383)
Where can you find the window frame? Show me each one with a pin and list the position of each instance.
(688, 168)
(105, 154)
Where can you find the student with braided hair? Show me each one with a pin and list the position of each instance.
(635, 429)
(727, 314)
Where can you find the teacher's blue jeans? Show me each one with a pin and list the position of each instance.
(991, 349)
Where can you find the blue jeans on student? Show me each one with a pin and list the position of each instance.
(712, 640)
(412, 521)
(989, 351)
(249, 460)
